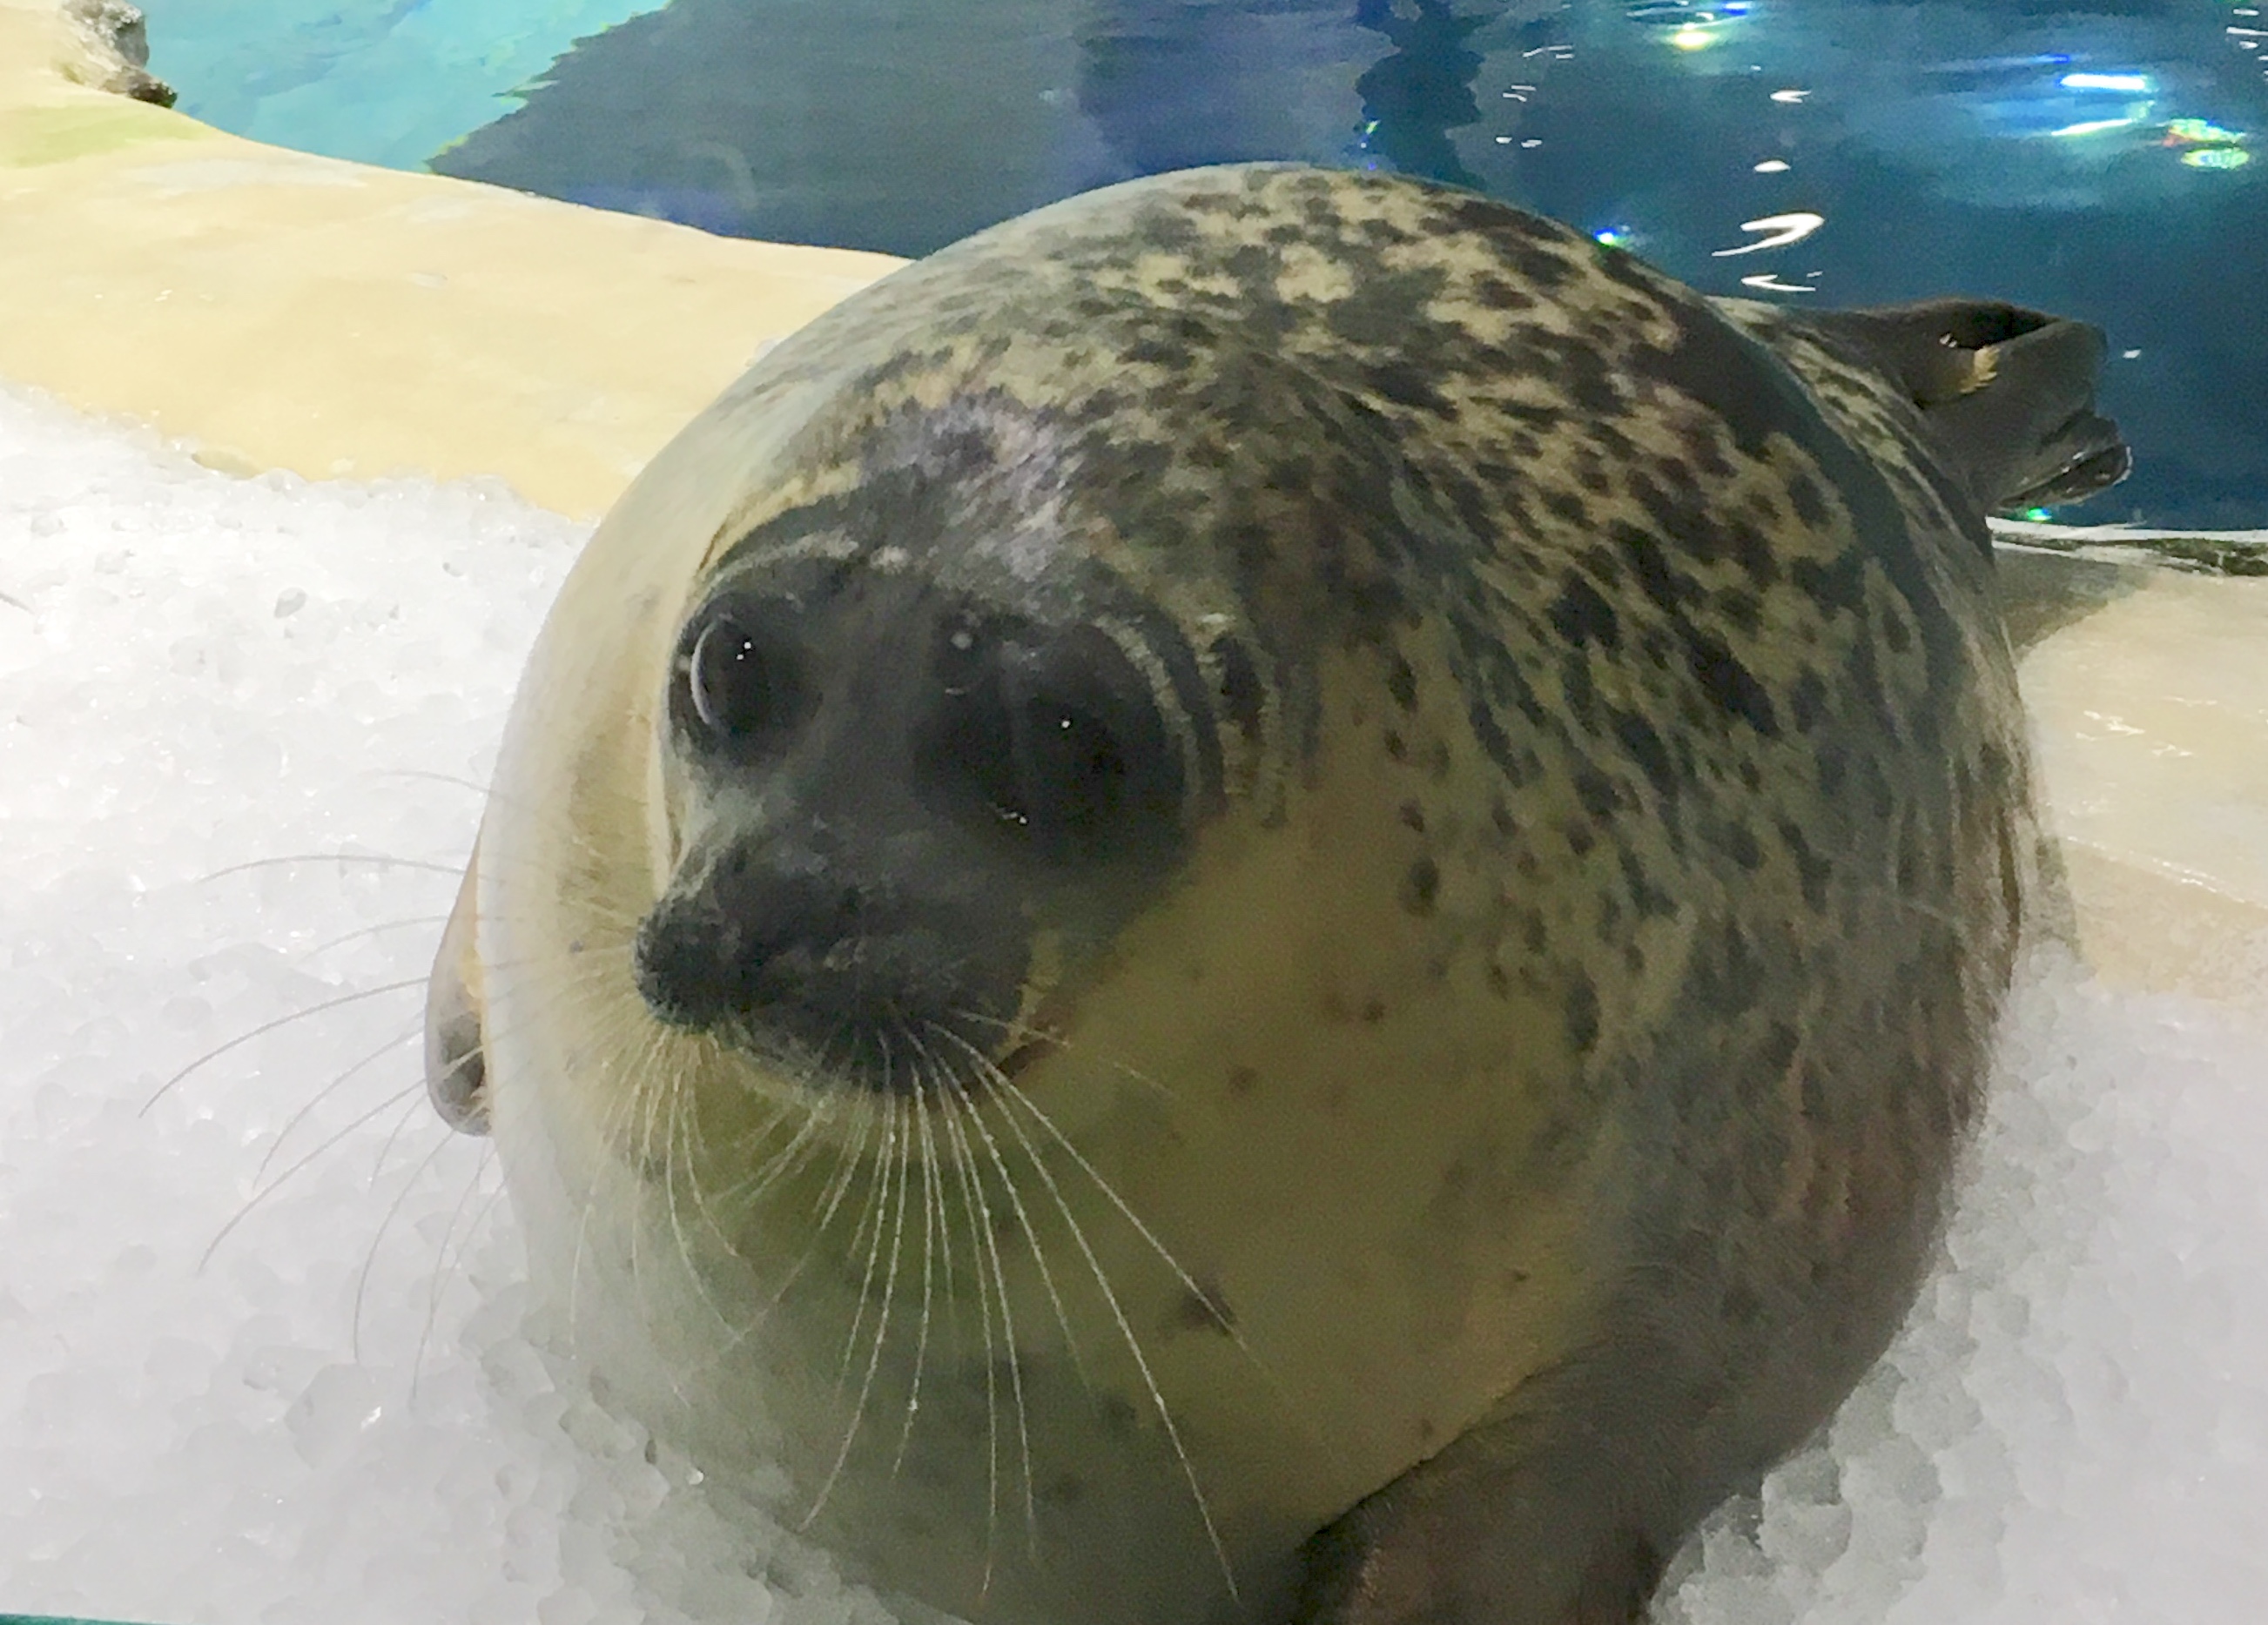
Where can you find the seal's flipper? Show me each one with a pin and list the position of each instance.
(2010, 391)
(1561, 1510)
(456, 1076)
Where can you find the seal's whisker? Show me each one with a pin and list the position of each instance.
(919, 1115)
(1149, 1238)
(1125, 1330)
(848, 1160)
(623, 1098)
(898, 1134)
(383, 860)
(873, 1216)
(765, 1169)
(308, 1106)
(413, 923)
(678, 1175)
(984, 1246)
(641, 1101)
(1015, 1199)
(260, 1195)
(322, 1007)
(451, 1257)
(782, 1163)
(431, 775)
(1024, 1033)
(392, 1212)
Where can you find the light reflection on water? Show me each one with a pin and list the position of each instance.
(2100, 163)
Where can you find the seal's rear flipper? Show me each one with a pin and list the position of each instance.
(2010, 391)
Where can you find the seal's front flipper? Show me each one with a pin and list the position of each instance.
(456, 1076)
(2010, 392)
(1562, 1512)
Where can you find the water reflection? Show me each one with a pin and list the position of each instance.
(1421, 90)
(2097, 161)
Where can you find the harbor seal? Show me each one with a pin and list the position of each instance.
(1276, 895)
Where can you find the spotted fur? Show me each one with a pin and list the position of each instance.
(1527, 1102)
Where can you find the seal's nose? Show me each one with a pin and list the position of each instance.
(754, 938)
(823, 959)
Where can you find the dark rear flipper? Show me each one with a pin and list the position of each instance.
(2011, 393)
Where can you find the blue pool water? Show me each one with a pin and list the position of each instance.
(2109, 162)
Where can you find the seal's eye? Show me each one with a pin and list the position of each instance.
(732, 691)
(736, 674)
(1057, 741)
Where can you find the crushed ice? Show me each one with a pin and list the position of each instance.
(260, 1342)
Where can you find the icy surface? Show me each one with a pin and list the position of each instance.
(260, 1347)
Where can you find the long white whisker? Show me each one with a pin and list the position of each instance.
(321, 1007)
(392, 1212)
(983, 1245)
(930, 1198)
(900, 1135)
(1015, 1201)
(261, 1195)
(1125, 1329)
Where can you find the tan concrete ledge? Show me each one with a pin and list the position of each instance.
(285, 311)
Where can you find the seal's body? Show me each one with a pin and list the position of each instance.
(1276, 895)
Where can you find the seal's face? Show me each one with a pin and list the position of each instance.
(901, 815)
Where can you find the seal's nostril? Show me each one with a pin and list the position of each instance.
(678, 964)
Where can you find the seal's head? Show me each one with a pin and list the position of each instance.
(922, 762)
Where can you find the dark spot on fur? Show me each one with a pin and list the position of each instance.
(1582, 1015)
(1650, 902)
(1495, 293)
(1402, 683)
(1421, 888)
(1413, 817)
(1811, 872)
(1810, 507)
(1645, 747)
(1407, 384)
(1583, 616)
(1831, 764)
(1568, 506)
(1740, 842)
(1732, 687)
(1396, 746)
(1241, 696)
(1807, 702)
(1243, 1080)
(1204, 1308)
(1644, 557)
(1373, 1011)
(1840, 584)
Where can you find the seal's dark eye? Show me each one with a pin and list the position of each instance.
(731, 690)
(1060, 744)
(736, 675)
